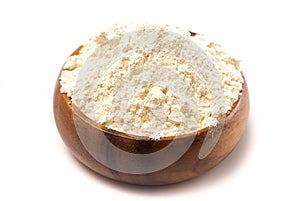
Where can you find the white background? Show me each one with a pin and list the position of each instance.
(35, 39)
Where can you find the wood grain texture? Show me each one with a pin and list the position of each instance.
(90, 142)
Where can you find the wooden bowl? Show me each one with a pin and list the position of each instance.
(99, 148)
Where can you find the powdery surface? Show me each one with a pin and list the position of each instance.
(152, 80)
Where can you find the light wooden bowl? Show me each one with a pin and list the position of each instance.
(89, 141)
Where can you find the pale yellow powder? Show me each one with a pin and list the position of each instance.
(152, 92)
